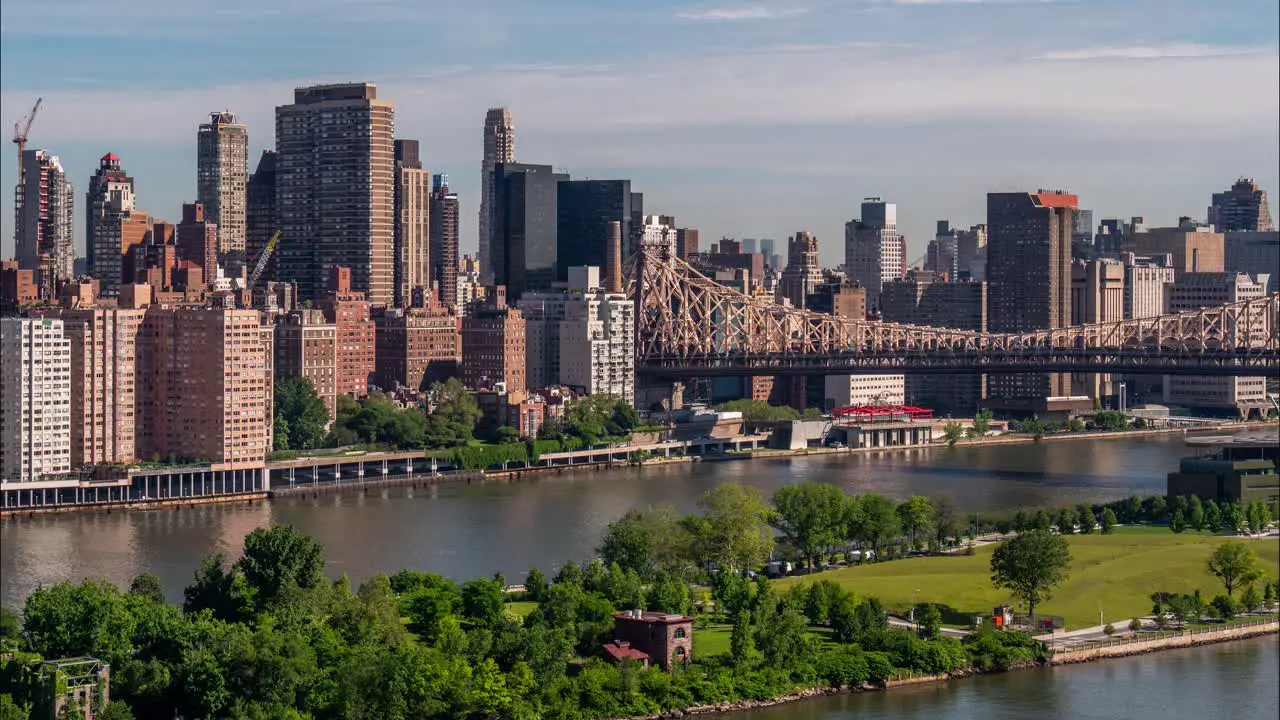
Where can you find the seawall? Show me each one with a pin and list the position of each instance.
(1178, 639)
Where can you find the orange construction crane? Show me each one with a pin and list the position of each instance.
(20, 132)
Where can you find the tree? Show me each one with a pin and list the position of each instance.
(535, 584)
(280, 557)
(1041, 520)
(1108, 521)
(1086, 519)
(1212, 516)
(759, 411)
(1232, 517)
(1135, 625)
(1195, 513)
(953, 432)
(736, 526)
(742, 646)
(147, 585)
(1177, 522)
(648, 541)
(482, 602)
(873, 521)
(808, 515)
(1031, 565)
(1250, 599)
(303, 412)
(1225, 606)
(982, 422)
(1155, 508)
(219, 589)
(669, 595)
(1066, 521)
(1109, 629)
(11, 710)
(1235, 564)
(946, 518)
(916, 516)
(453, 417)
(506, 434)
(929, 621)
(115, 710)
(1258, 516)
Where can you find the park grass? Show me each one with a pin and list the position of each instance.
(522, 608)
(712, 640)
(1116, 573)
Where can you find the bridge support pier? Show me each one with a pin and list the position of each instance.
(659, 394)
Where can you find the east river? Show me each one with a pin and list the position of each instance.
(465, 531)
(469, 530)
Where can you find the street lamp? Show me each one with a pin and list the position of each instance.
(914, 596)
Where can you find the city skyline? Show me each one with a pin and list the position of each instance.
(899, 100)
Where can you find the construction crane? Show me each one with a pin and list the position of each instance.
(261, 263)
(21, 130)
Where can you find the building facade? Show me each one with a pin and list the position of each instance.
(1243, 207)
(842, 391)
(222, 176)
(109, 221)
(335, 182)
(597, 344)
(803, 273)
(45, 217)
(1256, 254)
(874, 250)
(207, 394)
(523, 229)
(585, 212)
(35, 390)
(923, 299)
(197, 238)
(1097, 296)
(499, 149)
(1193, 248)
(1145, 279)
(417, 346)
(1214, 395)
(351, 314)
(261, 220)
(413, 224)
(1029, 287)
(306, 346)
(104, 404)
(493, 345)
(443, 256)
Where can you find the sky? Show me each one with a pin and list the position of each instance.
(742, 119)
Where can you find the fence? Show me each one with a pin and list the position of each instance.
(1160, 635)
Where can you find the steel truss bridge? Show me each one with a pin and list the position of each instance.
(689, 326)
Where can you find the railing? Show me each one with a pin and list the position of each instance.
(1145, 636)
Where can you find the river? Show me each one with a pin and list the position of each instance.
(473, 530)
(1235, 680)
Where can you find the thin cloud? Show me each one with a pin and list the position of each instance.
(966, 2)
(1151, 52)
(739, 13)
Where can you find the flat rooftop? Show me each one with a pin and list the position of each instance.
(1268, 437)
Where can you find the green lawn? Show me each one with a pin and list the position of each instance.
(522, 607)
(711, 640)
(1118, 571)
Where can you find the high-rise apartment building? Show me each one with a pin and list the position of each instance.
(1097, 296)
(971, 253)
(109, 204)
(35, 392)
(469, 290)
(597, 344)
(335, 182)
(874, 252)
(104, 405)
(803, 273)
(117, 236)
(943, 253)
(1029, 286)
(499, 149)
(1193, 247)
(207, 394)
(45, 205)
(1215, 395)
(1145, 278)
(658, 230)
(493, 344)
(351, 313)
(306, 346)
(585, 211)
(686, 243)
(261, 220)
(523, 228)
(542, 310)
(413, 223)
(416, 346)
(1243, 207)
(924, 299)
(222, 175)
(444, 254)
(197, 240)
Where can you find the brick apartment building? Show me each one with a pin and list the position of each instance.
(493, 344)
(416, 346)
(306, 345)
(350, 312)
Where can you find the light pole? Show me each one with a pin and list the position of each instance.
(1122, 397)
(914, 597)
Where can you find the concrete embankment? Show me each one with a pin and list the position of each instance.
(105, 507)
(1165, 641)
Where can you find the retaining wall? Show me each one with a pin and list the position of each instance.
(1186, 638)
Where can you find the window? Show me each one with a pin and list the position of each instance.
(680, 634)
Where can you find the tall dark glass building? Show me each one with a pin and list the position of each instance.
(587, 207)
(524, 227)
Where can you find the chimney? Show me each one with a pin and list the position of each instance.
(614, 257)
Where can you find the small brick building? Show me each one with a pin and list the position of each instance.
(657, 638)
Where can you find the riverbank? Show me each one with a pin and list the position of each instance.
(1109, 650)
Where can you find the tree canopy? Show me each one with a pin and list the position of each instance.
(1030, 565)
(300, 413)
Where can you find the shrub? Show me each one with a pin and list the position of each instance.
(1109, 629)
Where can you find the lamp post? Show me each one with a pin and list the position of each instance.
(914, 596)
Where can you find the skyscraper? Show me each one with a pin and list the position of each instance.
(1243, 207)
(222, 173)
(198, 240)
(499, 148)
(413, 223)
(524, 218)
(443, 257)
(261, 219)
(35, 391)
(44, 217)
(1029, 284)
(585, 210)
(335, 171)
(803, 273)
(110, 195)
(873, 251)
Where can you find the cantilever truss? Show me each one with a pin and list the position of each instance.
(689, 325)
